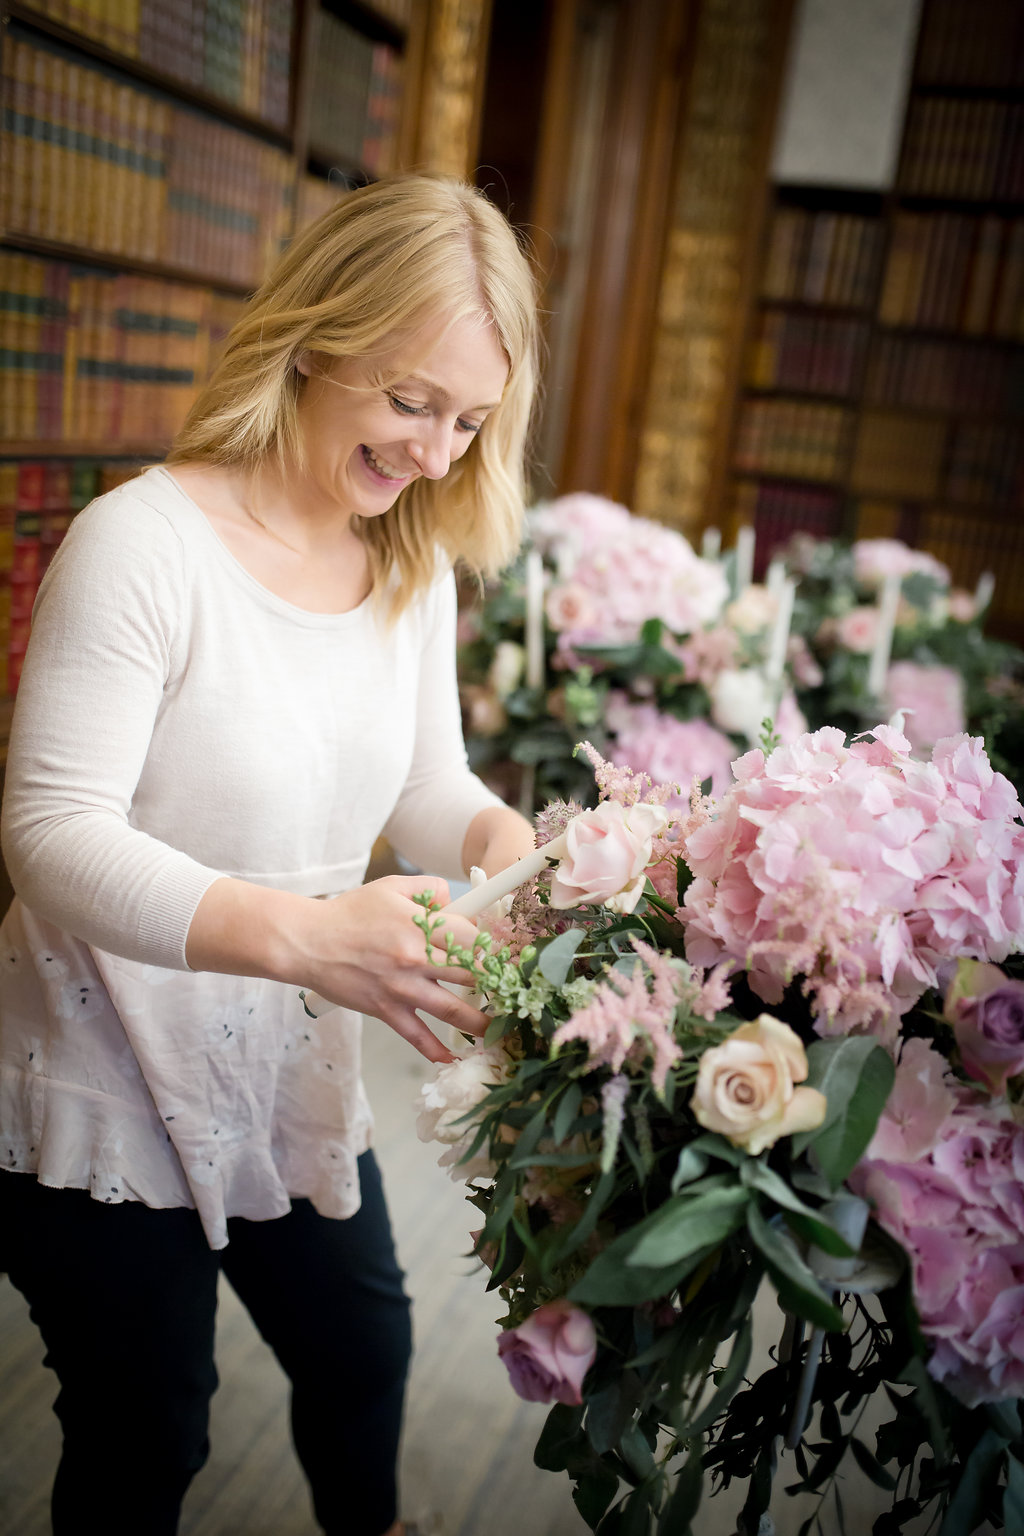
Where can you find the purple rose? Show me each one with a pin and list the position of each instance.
(986, 1010)
(548, 1356)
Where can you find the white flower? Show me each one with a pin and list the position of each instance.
(740, 700)
(458, 1088)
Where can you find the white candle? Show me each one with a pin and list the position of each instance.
(983, 592)
(888, 603)
(475, 901)
(744, 558)
(534, 622)
(711, 543)
(775, 575)
(780, 631)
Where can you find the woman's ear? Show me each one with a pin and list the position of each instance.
(304, 363)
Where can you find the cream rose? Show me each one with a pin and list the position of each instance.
(506, 670)
(746, 1087)
(607, 853)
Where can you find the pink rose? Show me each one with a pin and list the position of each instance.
(986, 1010)
(962, 606)
(855, 631)
(607, 853)
(570, 606)
(548, 1356)
(746, 1086)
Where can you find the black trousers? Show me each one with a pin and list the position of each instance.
(125, 1298)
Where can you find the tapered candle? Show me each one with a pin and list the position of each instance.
(888, 603)
(744, 558)
(983, 592)
(711, 543)
(534, 622)
(775, 575)
(475, 900)
(780, 631)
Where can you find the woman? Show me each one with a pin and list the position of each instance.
(242, 672)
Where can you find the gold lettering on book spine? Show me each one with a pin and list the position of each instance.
(454, 62)
(701, 288)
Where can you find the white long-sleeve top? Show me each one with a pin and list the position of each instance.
(175, 722)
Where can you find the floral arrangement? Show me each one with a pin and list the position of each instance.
(660, 658)
(773, 1039)
(645, 649)
(943, 669)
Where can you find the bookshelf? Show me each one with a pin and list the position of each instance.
(883, 382)
(154, 160)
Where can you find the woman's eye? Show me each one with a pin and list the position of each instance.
(469, 426)
(405, 408)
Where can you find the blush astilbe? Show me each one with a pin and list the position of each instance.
(859, 870)
(631, 1019)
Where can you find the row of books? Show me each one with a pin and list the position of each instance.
(818, 353)
(91, 356)
(238, 50)
(965, 148)
(822, 257)
(315, 195)
(356, 96)
(91, 160)
(38, 499)
(985, 465)
(777, 512)
(954, 49)
(952, 271)
(969, 546)
(803, 440)
(924, 373)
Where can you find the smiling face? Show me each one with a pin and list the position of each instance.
(366, 440)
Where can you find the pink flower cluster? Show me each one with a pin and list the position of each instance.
(614, 571)
(874, 559)
(669, 750)
(627, 1021)
(933, 698)
(858, 869)
(946, 1175)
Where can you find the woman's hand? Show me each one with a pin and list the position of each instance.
(361, 949)
(371, 956)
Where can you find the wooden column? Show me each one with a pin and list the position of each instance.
(710, 259)
(454, 54)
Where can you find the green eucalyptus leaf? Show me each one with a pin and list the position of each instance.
(726, 1384)
(856, 1075)
(684, 1500)
(636, 1453)
(594, 1491)
(562, 1433)
(967, 1506)
(1013, 1497)
(795, 1283)
(556, 958)
(760, 1177)
(568, 1109)
(691, 1165)
(686, 1223)
(611, 1282)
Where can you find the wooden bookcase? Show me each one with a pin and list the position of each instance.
(154, 160)
(883, 383)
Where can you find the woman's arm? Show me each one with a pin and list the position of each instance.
(361, 949)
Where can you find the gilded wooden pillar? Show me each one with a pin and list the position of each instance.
(706, 279)
(454, 61)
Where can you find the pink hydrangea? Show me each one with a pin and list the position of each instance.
(874, 559)
(945, 1172)
(621, 571)
(671, 751)
(859, 870)
(933, 698)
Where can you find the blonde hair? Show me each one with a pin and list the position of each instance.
(387, 258)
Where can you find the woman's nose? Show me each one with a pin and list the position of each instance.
(432, 450)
